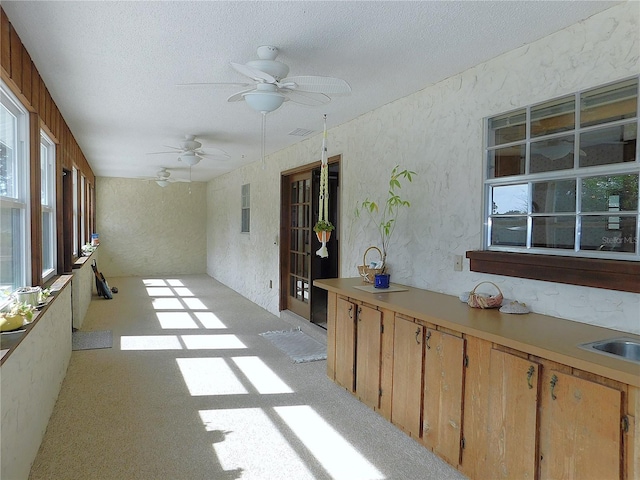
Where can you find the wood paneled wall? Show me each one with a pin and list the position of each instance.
(18, 71)
(21, 75)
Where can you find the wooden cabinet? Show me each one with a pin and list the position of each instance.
(368, 333)
(345, 343)
(580, 429)
(491, 411)
(406, 396)
(443, 387)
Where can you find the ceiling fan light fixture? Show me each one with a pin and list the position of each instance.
(162, 183)
(264, 102)
(190, 158)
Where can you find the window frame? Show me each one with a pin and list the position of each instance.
(579, 267)
(74, 185)
(20, 200)
(48, 205)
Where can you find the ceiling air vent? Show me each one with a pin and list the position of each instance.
(300, 132)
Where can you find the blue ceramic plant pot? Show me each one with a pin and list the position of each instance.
(382, 280)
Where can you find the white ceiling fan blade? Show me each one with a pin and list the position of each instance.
(176, 180)
(254, 73)
(221, 154)
(237, 97)
(158, 153)
(209, 84)
(312, 83)
(310, 99)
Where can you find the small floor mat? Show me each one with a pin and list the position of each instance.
(92, 340)
(299, 346)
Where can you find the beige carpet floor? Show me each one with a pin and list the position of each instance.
(190, 390)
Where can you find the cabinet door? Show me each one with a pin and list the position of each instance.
(332, 299)
(368, 355)
(406, 395)
(443, 387)
(580, 434)
(345, 343)
(513, 413)
(476, 407)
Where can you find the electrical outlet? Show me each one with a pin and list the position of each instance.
(457, 265)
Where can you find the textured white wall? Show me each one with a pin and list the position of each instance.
(83, 288)
(31, 378)
(150, 230)
(436, 132)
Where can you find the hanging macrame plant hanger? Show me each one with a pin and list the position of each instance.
(323, 203)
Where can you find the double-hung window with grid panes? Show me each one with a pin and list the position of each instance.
(48, 201)
(15, 256)
(562, 177)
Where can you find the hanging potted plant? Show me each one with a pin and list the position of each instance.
(384, 215)
(323, 229)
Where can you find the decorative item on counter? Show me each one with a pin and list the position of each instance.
(515, 307)
(384, 215)
(370, 270)
(484, 300)
(464, 297)
(382, 280)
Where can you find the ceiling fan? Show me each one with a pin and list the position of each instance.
(163, 178)
(272, 87)
(190, 151)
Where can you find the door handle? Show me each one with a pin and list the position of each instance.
(530, 373)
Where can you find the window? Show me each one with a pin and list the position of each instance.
(48, 200)
(82, 207)
(14, 194)
(74, 180)
(246, 196)
(562, 177)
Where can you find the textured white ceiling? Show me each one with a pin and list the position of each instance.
(112, 67)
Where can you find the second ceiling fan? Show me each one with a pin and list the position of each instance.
(190, 151)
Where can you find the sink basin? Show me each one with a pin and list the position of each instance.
(622, 348)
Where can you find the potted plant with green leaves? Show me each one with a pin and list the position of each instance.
(18, 315)
(323, 229)
(384, 214)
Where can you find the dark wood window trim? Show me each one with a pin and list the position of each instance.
(617, 275)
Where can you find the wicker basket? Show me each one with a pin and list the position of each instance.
(367, 273)
(481, 300)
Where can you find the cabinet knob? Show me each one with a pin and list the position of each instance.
(417, 336)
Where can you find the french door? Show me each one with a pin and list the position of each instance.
(298, 276)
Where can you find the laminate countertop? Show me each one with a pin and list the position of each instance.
(552, 338)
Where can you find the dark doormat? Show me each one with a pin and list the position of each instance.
(92, 340)
(299, 346)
